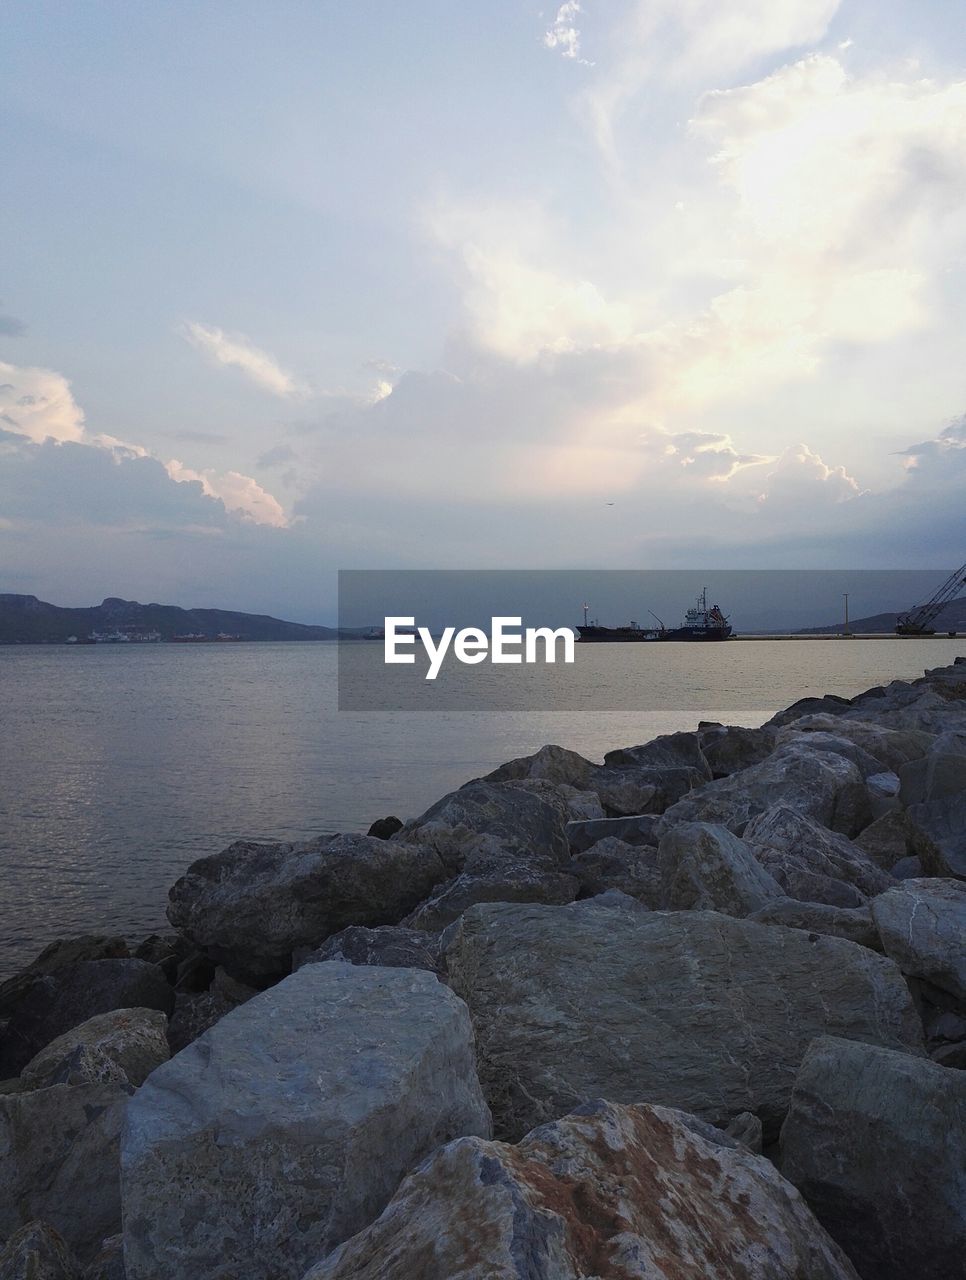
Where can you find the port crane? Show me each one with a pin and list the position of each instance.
(917, 622)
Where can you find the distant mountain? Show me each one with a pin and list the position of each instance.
(27, 620)
(951, 618)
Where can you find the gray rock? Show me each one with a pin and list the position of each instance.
(636, 829)
(938, 835)
(891, 747)
(109, 1262)
(252, 905)
(383, 828)
(194, 1013)
(66, 952)
(37, 1252)
(818, 740)
(640, 1193)
(922, 924)
(853, 923)
(829, 705)
(822, 785)
(131, 1041)
(60, 1162)
(287, 1127)
(493, 873)
(555, 764)
(937, 776)
(784, 840)
(612, 864)
(569, 803)
(730, 748)
(706, 868)
(626, 791)
(951, 1056)
(874, 1140)
(669, 751)
(746, 1129)
(907, 869)
(885, 841)
(521, 821)
(39, 1006)
(391, 946)
(692, 1009)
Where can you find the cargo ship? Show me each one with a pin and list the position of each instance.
(701, 622)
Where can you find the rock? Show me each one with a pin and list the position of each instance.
(493, 873)
(612, 864)
(196, 972)
(937, 776)
(555, 764)
(925, 707)
(874, 1140)
(922, 924)
(938, 835)
(166, 950)
(704, 867)
(611, 1191)
(252, 905)
(786, 840)
(287, 1127)
(822, 785)
(816, 740)
(391, 946)
(37, 1252)
(669, 751)
(109, 1262)
(569, 803)
(907, 869)
(133, 1041)
(60, 1161)
(692, 1009)
(891, 747)
(829, 705)
(626, 791)
(524, 823)
(66, 952)
(384, 828)
(885, 841)
(40, 1006)
(194, 1013)
(853, 923)
(730, 748)
(746, 1129)
(636, 829)
(950, 1056)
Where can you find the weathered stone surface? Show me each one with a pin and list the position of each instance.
(891, 747)
(132, 1041)
(938, 835)
(37, 1252)
(746, 1128)
(569, 803)
(822, 785)
(838, 744)
(384, 828)
(627, 790)
(885, 841)
(730, 748)
(66, 952)
(926, 706)
(288, 1125)
(194, 1013)
(922, 924)
(875, 1142)
(668, 751)
(829, 705)
(612, 864)
(707, 868)
(60, 1162)
(250, 906)
(513, 816)
(555, 764)
(640, 1193)
(40, 1006)
(853, 923)
(637, 829)
(390, 945)
(108, 1264)
(934, 777)
(785, 841)
(691, 1009)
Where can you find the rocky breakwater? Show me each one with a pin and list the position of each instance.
(698, 1010)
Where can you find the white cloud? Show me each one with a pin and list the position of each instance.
(238, 493)
(564, 35)
(237, 351)
(37, 403)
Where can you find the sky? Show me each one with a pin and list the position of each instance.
(293, 287)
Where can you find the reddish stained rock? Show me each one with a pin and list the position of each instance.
(611, 1192)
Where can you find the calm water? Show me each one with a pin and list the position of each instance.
(120, 765)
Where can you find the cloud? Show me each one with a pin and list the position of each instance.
(38, 403)
(237, 351)
(563, 35)
(239, 494)
(277, 455)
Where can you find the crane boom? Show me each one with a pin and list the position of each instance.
(917, 621)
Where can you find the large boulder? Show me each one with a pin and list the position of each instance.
(704, 867)
(690, 1009)
(795, 847)
(886, 841)
(612, 864)
(854, 923)
(891, 747)
(287, 1127)
(668, 751)
(937, 830)
(935, 776)
(876, 1143)
(37, 1252)
(513, 816)
(252, 905)
(730, 748)
(922, 924)
(39, 1006)
(60, 1161)
(555, 764)
(628, 790)
(643, 1193)
(391, 946)
(823, 785)
(127, 1044)
(637, 829)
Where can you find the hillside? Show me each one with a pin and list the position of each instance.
(27, 620)
(951, 618)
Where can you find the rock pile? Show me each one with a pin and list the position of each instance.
(699, 1010)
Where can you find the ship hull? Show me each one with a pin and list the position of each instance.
(632, 635)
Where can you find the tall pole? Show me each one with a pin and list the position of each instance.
(846, 595)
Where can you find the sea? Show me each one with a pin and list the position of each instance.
(122, 764)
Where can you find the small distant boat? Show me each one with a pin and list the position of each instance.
(701, 622)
